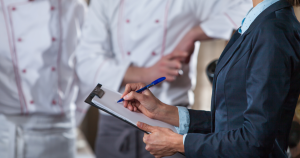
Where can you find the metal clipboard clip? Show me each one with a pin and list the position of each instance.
(96, 92)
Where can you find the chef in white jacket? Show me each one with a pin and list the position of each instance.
(141, 40)
(37, 77)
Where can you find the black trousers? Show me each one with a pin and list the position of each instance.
(117, 139)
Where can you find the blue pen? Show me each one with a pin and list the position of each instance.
(147, 87)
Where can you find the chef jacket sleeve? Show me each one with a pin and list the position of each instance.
(95, 60)
(219, 18)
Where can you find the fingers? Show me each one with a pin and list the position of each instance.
(132, 87)
(131, 105)
(155, 142)
(170, 74)
(145, 138)
(173, 64)
(132, 101)
(134, 96)
(171, 68)
(178, 55)
(145, 127)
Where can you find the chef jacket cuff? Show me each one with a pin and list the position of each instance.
(115, 80)
(184, 120)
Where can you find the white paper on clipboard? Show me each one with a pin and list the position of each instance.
(109, 102)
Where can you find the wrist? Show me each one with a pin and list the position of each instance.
(168, 114)
(144, 72)
(194, 34)
(178, 145)
(198, 34)
(133, 75)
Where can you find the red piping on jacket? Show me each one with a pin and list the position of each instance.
(234, 24)
(165, 28)
(59, 56)
(14, 56)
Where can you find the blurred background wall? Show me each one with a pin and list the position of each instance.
(209, 51)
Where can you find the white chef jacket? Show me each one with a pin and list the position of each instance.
(37, 43)
(120, 33)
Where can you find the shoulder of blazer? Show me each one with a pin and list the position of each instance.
(283, 17)
(267, 15)
(277, 22)
(280, 24)
(279, 28)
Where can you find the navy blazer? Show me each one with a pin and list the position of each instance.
(255, 91)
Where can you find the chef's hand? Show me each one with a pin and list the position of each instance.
(187, 42)
(162, 141)
(168, 66)
(185, 46)
(149, 105)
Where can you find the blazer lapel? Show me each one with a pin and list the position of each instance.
(226, 55)
(229, 52)
(233, 44)
(234, 37)
(231, 48)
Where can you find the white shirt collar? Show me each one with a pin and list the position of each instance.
(253, 14)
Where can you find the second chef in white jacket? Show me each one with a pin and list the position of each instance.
(130, 41)
(37, 77)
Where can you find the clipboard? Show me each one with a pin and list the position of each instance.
(99, 93)
(106, 100)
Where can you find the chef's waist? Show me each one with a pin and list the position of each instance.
(16, 109)
(41, 121)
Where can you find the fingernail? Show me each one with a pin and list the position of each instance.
(125, 97)
(140, 124)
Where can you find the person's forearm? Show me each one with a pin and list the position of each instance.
(197, 34)
(187, 42)
(133, 75)
(168, 114)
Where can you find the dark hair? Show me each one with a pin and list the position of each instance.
(294, 2)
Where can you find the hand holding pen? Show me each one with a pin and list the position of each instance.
(146, 102)
(147, 87)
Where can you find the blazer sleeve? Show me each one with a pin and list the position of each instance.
(200, 121)
(268, 74)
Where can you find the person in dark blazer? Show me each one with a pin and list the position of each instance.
(255, 90)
